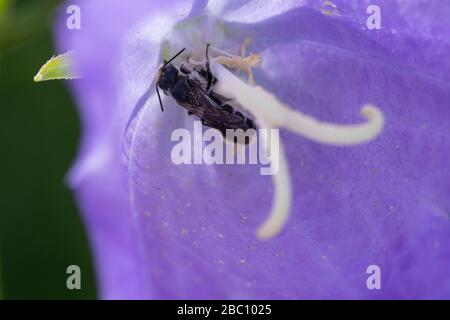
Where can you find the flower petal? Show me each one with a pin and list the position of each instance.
(353, 207)
(250, 11)
(96, 176)
(191, 231)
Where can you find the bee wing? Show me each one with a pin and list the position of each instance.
(214, 115)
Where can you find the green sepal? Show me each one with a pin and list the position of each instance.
(57, 68)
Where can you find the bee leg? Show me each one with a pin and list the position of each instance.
(190, 113)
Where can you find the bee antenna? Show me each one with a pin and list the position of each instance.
(159, 97)
(173, 58)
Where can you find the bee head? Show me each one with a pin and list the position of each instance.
(167, 77)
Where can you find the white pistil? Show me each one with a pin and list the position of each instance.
(336, 134)
(281, 205)
(269, 112)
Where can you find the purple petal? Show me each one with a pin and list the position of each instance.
(250, 11)
(96, 176)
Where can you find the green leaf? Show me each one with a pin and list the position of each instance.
(57, 68)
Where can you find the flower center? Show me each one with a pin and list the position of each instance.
(267, 111)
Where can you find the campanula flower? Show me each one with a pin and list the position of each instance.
(161, 230)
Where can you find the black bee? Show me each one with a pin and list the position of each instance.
(191, 87)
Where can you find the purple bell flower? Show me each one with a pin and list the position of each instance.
(161, 230)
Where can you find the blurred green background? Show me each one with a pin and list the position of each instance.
(41, 232)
